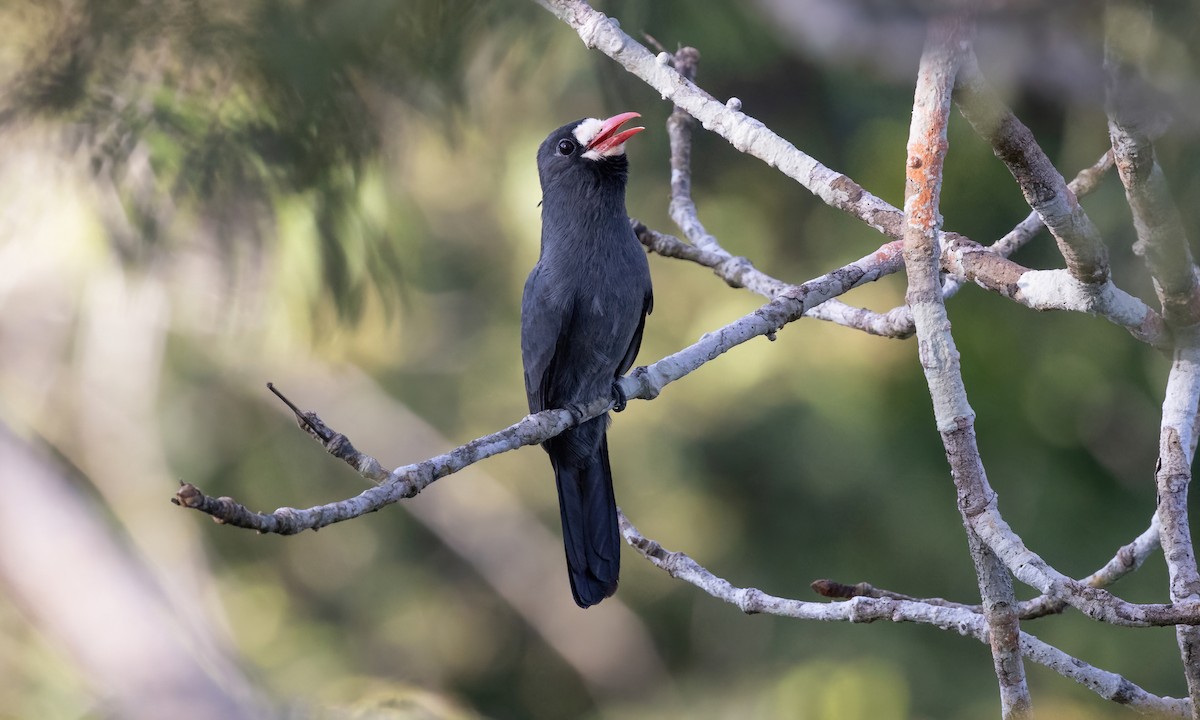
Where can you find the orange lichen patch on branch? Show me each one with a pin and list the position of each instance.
(889, 251)
(923, 171)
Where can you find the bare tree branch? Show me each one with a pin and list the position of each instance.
(1173, 475)
(1053, 290)
(1084, 182)
(1126, 560)
(484, 522)
(1161, 238)
(742, 131)
(644, 382)
(945, 48)
(749, 135)
(1042, 185)
(737, 271)
(1107, 685)
(965, 260)
(1163, 244)
(899, 319)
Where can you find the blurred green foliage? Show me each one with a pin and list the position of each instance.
(363, 174)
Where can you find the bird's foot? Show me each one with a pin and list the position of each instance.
(619, 399)
(578, 412)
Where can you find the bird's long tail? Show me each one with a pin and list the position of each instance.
(589, 520)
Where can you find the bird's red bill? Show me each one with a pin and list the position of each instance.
(608, 138)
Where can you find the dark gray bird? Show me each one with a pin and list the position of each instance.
(582, 315)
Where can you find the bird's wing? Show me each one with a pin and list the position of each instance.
(635, 343)
(541, 327)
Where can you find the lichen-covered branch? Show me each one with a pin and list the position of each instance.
(390, 487)
(1127, 559)
(862, 609)
(1163, 244)
(927, 144)
(1084, 182)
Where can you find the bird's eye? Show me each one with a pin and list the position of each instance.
(565, 147)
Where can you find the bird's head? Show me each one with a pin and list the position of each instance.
(586, 151)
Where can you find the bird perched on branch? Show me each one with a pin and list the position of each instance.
(582, 315)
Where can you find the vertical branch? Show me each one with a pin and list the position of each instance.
(945, 48)
(679, 131)
(1173, 475)
(1163, 244)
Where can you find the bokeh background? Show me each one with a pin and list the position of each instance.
(198, 198)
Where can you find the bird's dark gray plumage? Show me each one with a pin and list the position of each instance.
(582, 315)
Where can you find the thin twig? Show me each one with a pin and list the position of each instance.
(744, 132)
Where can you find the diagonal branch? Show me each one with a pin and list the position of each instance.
(644, 382)
(965, 261)
(1128, 558)
(737, 271)
(1084, 182)
(1043, 187)
(752, 137)
(744, 132)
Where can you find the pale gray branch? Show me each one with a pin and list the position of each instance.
(752, 137)
(927, 144)
(1108, 685)
(644, 383)
(738, 271)
(744, 132)
(1163, 244)
(1177, 449)
(1127, 559)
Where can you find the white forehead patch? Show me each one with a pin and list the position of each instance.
(587, 130)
